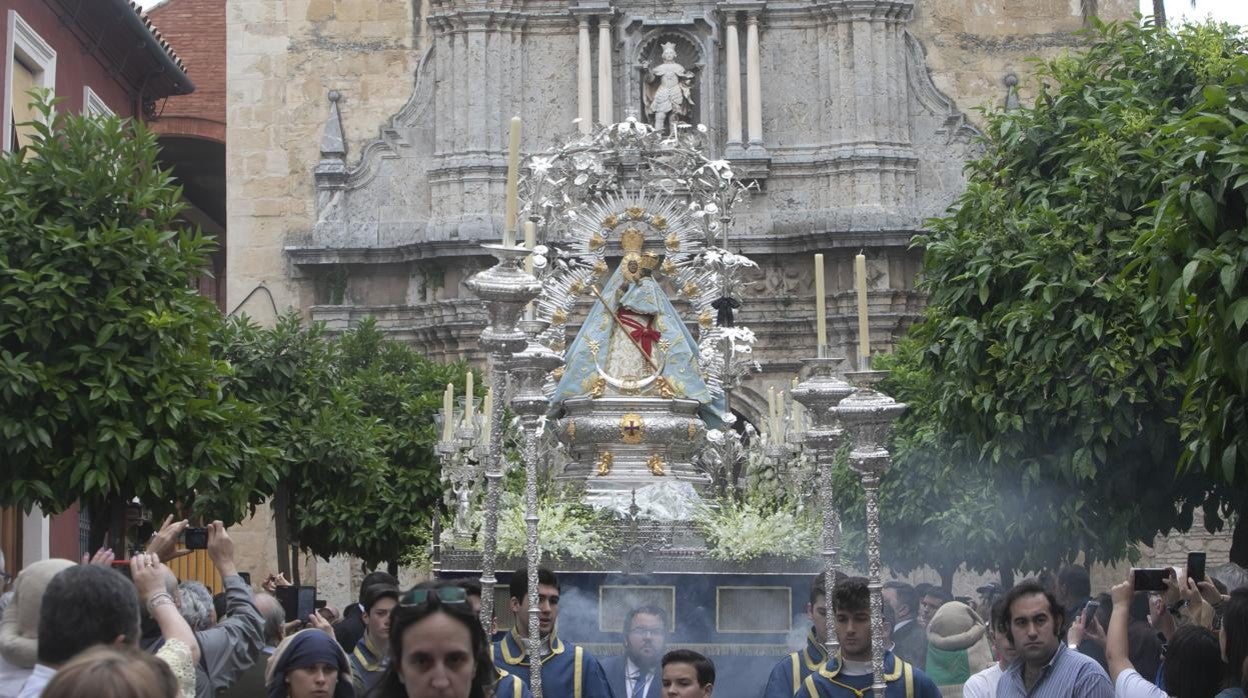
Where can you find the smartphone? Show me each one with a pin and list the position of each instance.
(195, 538)
(1150, 578)
(1089, 612)
(1196, 565)
(298, 602)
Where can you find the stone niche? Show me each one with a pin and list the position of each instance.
(693, 46)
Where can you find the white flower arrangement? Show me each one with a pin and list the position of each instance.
(566, 529)
(743, 531)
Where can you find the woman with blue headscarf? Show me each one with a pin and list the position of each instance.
(309, 664)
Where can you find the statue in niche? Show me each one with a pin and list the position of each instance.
(669, 90)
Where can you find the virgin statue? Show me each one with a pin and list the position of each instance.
(633, 342)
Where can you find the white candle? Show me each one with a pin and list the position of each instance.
(797, 410)
(821, 311)
(864, 331)
(448, 425)
(513, 175)
(486, 415)
(468, 410)
(530, 241)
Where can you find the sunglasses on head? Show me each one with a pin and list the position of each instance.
(447, 595)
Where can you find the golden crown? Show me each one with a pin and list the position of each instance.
(650, 261)
(632, 240)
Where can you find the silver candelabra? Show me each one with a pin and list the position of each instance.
(820, 393)
(868, 416)
(529, 370)
(505, 288)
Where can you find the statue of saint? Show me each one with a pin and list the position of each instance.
(634, 343)
(668, 90)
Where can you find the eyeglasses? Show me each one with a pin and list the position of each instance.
(447, 595)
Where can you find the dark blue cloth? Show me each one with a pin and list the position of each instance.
(799, 664)
(829, 682)
(308, 648)
(559, 669)
(510, 686)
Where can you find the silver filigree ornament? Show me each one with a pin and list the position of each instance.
(868, 415)
(506, 289)
(820, 393)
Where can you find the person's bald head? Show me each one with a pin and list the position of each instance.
(274, 617)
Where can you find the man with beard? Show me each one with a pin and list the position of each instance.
(849, 673)
(1045, 666)
(568, 670)
(636, 674)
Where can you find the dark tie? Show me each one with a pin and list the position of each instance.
(639, 685)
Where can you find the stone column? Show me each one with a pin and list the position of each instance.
(753, 85)
(732, 57)
(584, 78)
(606, 109)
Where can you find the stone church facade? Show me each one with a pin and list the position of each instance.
(366, 142)
(854, 116)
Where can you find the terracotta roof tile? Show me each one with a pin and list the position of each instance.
(147, 22)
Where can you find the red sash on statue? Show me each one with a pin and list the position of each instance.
(639, 329)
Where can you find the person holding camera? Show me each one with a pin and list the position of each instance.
(1193, 658)
(234, 644)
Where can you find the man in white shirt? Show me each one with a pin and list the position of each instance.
(984, 684)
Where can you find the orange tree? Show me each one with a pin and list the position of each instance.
(1078, 378)
(108, 389)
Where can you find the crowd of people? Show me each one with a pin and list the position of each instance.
(120, 629)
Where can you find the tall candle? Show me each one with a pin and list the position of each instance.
(530, 241)
(468, 410)
(797, 411)
(448, 408)
(864, 331)
(487, 412)
(821, 311)
(513, 175)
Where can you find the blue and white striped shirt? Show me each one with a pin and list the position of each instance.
(1067, 675)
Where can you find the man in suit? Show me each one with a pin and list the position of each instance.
(636, 673)
(909, 636)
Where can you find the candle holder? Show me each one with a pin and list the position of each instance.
(505, 289)
(529, 369)
(868, 415)
(819, 394)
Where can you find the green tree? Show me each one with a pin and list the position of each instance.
(402, 390)
(1082, 337)
(107, 388)
(352, 418)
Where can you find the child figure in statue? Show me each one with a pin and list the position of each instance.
(672, 96)
(634, 343)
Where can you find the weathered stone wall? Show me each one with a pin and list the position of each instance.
(283, 58)
(972, 45)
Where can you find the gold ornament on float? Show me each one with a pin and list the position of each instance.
(632, 429)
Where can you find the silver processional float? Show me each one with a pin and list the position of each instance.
(637, 408)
